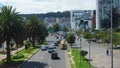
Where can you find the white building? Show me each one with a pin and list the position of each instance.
(50, 21)
(63, 21)
(77, 15)
(103, 9)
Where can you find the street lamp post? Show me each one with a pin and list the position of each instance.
(89, 42)
(80, 49)
(111, 39)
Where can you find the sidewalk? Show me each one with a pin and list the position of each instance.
(98, 55)
(3, 56)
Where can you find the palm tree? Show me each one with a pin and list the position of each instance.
(42, 32)
(56, 27)
(32, 28)
(11, 28)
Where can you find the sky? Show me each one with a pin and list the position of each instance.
(0, 5)
(44, 6)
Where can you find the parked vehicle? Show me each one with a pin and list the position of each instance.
(117, 47)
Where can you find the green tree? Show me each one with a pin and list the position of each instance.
(116, 39)
(65, 29)
(11, 27)
(51, 29)
(33, 26)
(70, 39)
(104, 36)
(78, 32)
(56, 27)
(83, 53)
(36, 30)
(42, 32)
(87, 35)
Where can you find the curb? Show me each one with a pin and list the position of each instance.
(71, 59)
(28, 59)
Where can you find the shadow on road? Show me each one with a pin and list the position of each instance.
(33, 64)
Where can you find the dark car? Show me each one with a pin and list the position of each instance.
(54, 55)
(43, 48)
(56, 44)
(47, 46)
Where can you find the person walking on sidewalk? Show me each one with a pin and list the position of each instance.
(107, 52)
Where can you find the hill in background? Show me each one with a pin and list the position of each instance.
(50, 14)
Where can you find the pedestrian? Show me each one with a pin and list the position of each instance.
(107, 52)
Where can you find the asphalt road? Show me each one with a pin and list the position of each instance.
(42, 59)
(98, 54)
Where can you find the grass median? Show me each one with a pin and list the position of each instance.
(16, 62)
(26, 53)
(83, 63)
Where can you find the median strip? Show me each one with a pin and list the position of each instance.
(28, 55)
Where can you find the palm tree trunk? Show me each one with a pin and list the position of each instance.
(8, 49)
(33, 42)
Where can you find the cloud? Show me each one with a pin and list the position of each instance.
(43, 6)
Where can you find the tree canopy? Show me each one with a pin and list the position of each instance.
(56, 27)
(70, 38)
(11, 28)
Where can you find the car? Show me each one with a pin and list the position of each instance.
(56, 44)
(43, 48)
(47, 46)
(53, 46)
(51, 49)
(58, 41)
(54, 55)
(117, 47)
(57, 37)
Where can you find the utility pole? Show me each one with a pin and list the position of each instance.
(111, 39)
(89, 42)
(80, 49)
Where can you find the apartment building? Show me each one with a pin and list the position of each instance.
(63, 21)
(77, 15)
(102, 11)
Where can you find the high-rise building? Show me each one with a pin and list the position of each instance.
(103, 11)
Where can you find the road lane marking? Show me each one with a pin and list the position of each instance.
(42, 57)
(49, 66)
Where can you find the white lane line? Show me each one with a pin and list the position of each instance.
(49, 66)
(42, 57)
